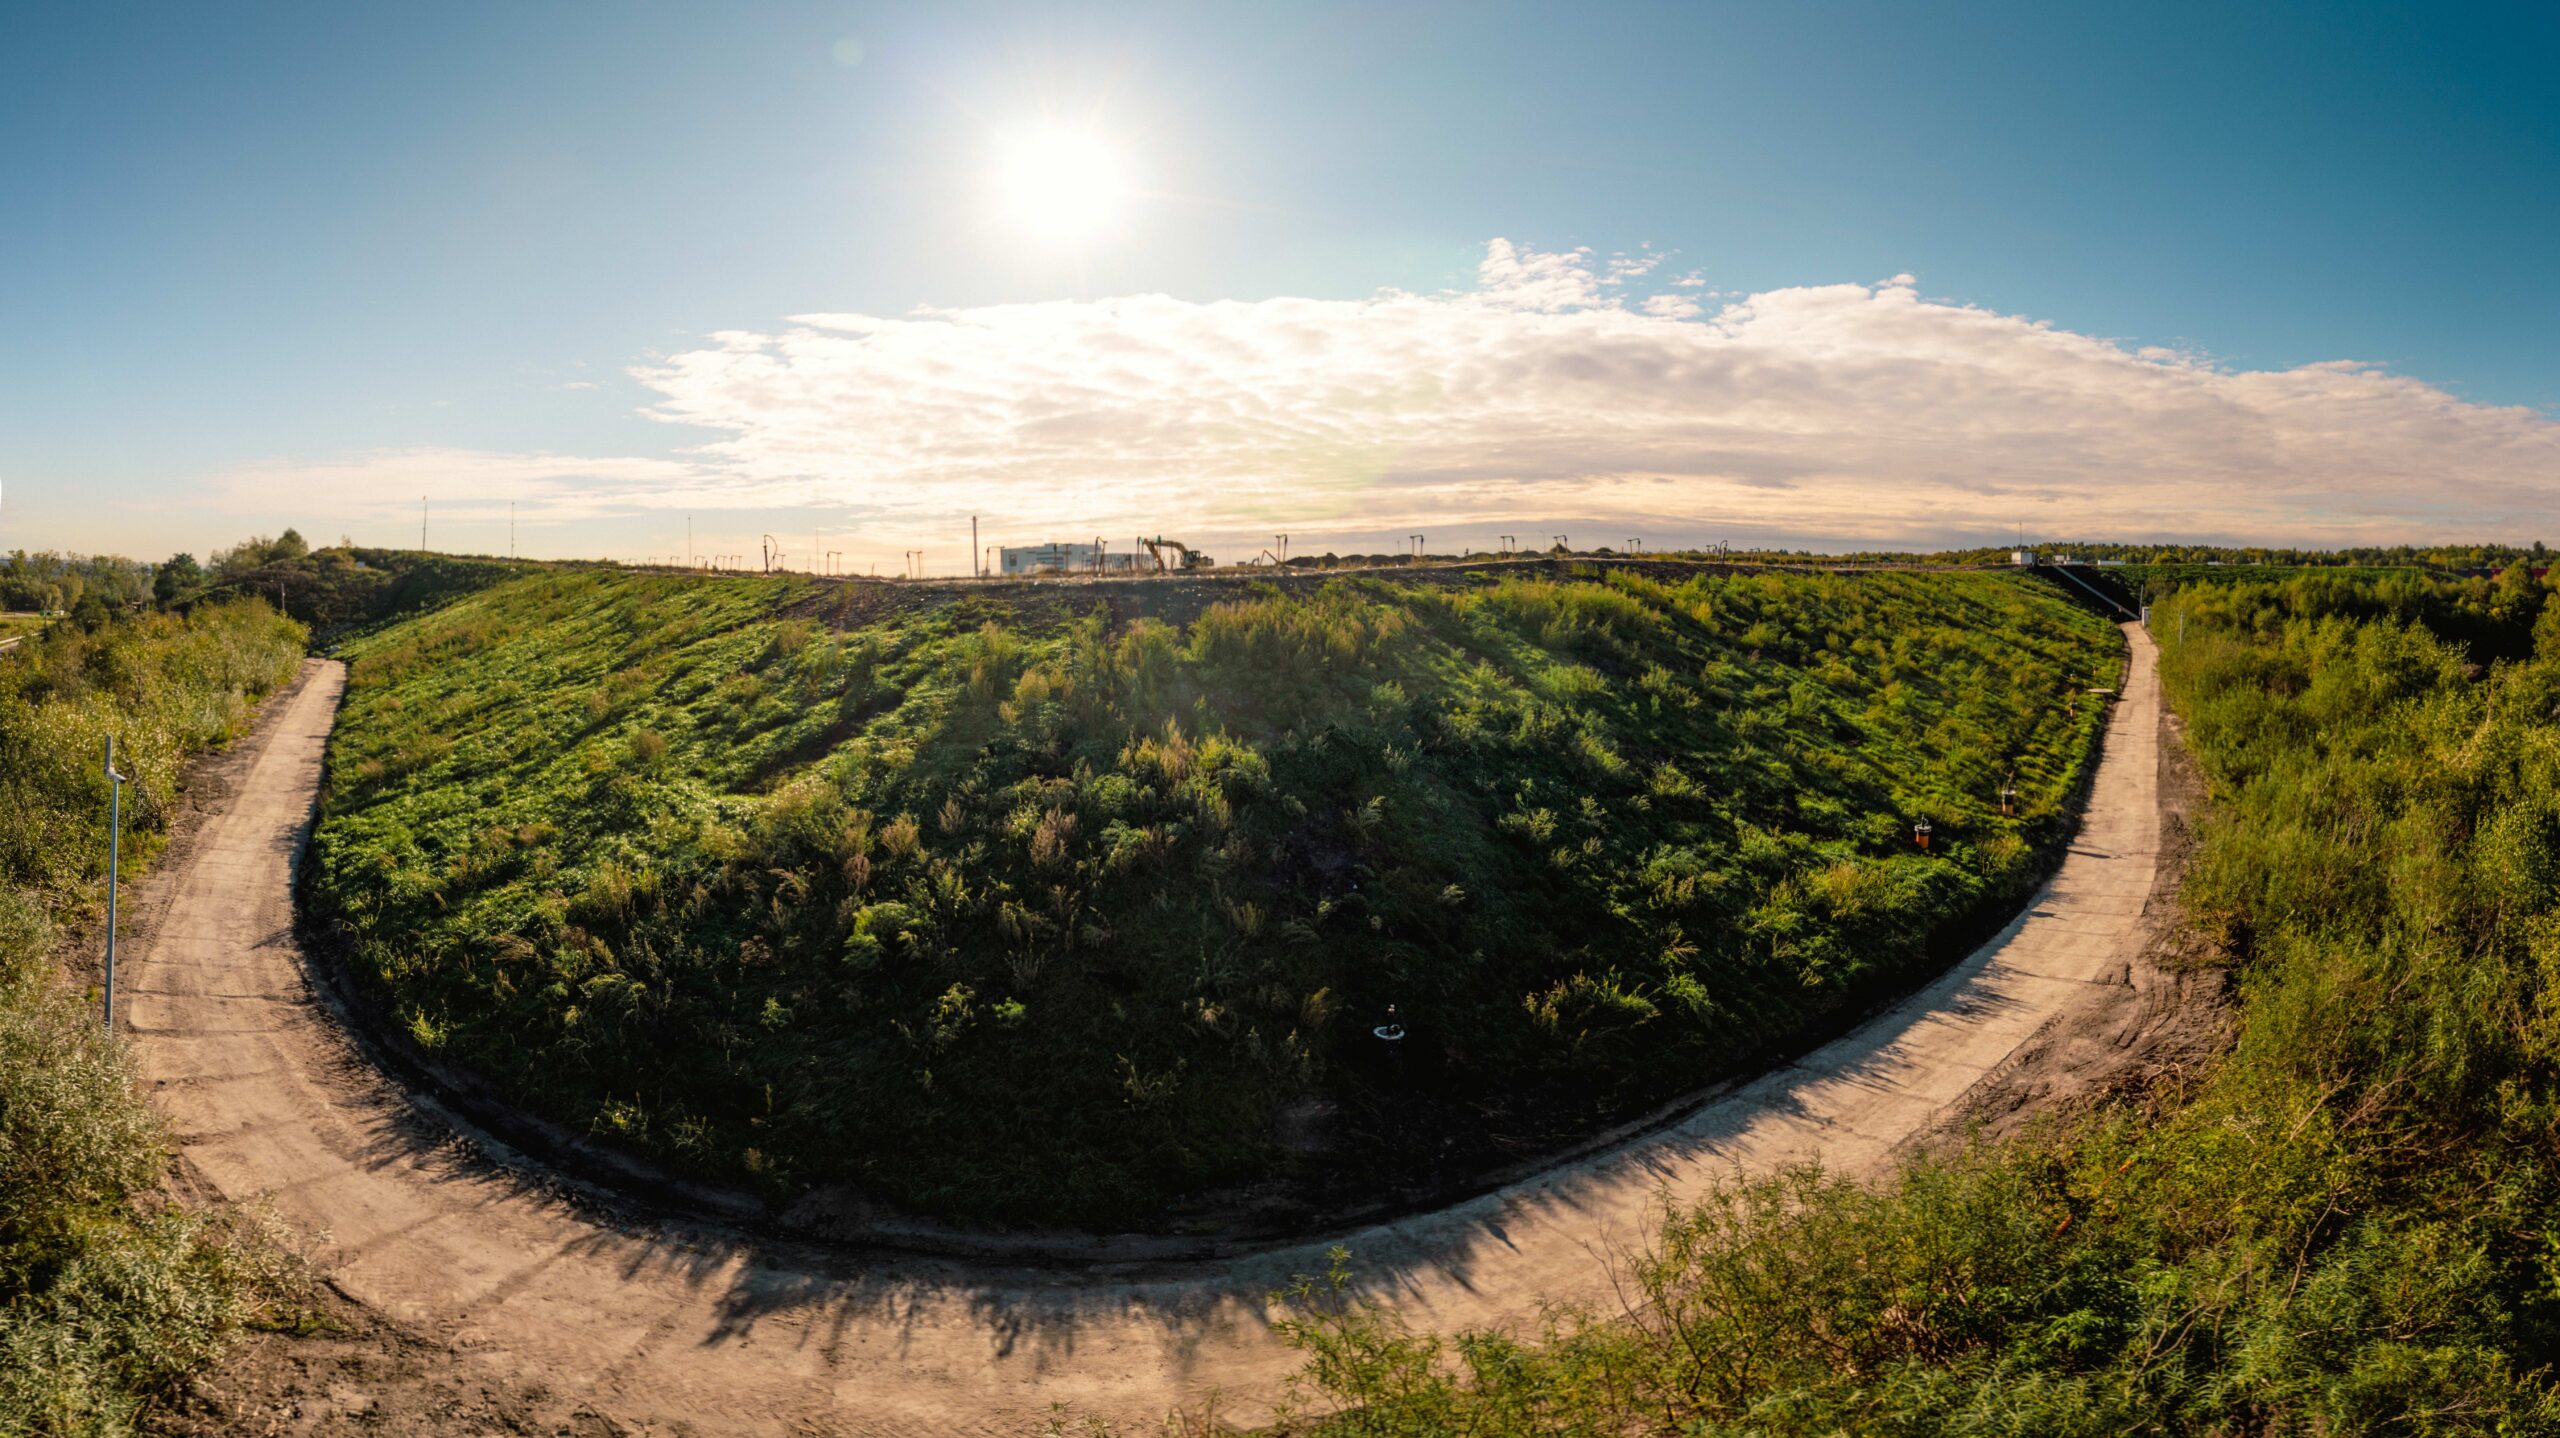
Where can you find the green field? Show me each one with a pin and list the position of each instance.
(1011, 907)
(2347, 1224)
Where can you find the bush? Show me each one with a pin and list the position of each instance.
(2346, 1226)
(1546, 821)
(108, 1295)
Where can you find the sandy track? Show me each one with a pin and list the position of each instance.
(694, 1328)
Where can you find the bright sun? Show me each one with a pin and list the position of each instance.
(1062, 186)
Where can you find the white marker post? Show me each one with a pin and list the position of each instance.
(115, 836)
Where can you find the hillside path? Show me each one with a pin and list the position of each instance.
(680, 1328)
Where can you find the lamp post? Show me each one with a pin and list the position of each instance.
(115, 835)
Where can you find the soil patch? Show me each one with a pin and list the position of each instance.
(2161, 1021)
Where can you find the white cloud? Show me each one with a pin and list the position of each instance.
(1854, 412)
(1623, 268)
(1553, 393)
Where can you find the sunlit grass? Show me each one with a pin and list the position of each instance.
(1006, 914)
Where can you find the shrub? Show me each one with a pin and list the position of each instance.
(1575, 835)
(109, 1296)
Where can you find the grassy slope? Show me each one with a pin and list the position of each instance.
(1026, 914)
(2348, 1227)
(107, 1296)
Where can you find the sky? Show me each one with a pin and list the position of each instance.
(586, 278)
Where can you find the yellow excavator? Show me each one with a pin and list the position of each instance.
(1185, 556)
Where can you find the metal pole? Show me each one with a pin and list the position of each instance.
(115, 856)
(980, 563)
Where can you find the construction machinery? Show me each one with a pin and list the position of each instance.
(1187, 557)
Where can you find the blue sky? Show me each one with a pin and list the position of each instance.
(296, 264)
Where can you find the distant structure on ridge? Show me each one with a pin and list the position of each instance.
(1030, 560)
(1024, 561)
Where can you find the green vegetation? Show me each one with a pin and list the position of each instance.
(86, 588)
(2458, 558)
(335, 591)
(1008, 909)
(2351, 1225)
(108, 1294)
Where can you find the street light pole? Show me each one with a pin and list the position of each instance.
(115, 834)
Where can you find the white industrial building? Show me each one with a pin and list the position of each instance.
(1024, 561)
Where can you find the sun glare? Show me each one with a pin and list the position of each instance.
(1061, 186)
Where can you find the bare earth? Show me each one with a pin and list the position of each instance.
(480, 1295)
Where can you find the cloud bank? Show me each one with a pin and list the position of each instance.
(1560, 388)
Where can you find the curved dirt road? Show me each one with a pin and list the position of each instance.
(666, 1325)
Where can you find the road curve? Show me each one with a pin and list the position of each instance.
(661, 1324)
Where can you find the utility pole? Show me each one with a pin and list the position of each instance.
(688, 541)
(422, 524)
(980, 567)
(511, 531)
(1508, 540)
(1284, 549)
(115, 855)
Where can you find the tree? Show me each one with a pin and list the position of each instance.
(288, 545)
(177, 579)
(2514, 594)
(26, 592)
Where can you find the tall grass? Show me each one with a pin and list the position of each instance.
(1012, 915)
(109, 1295)
(2348, 1226)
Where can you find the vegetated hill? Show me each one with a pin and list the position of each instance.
(340, 590)
(1003, 906)
(109, 1295)
(2349, 1225)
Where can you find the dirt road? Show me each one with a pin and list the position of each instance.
(677, 1328)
